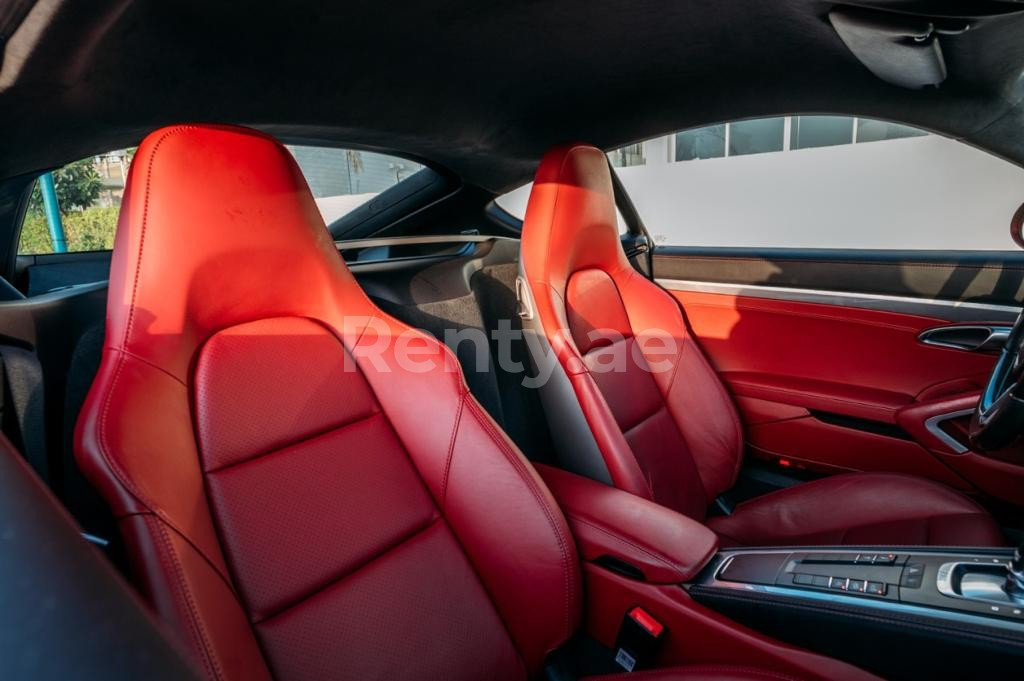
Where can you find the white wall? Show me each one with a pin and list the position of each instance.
(915, 193)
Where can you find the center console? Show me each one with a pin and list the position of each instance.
(822, 613)
(900, 612)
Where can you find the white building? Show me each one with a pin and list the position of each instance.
(817, 182)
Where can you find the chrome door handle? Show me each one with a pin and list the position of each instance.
(972, 338)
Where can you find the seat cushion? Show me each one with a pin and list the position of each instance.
(701, 672)
(860, 508)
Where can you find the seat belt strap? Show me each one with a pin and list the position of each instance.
(24, 382)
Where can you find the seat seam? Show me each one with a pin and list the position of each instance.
(145, 361)
(301, 441)
(451, 452)
(647, 417)
(126, 481)
(195, 622)
(102, 442)
(316, 591)
(531, 485)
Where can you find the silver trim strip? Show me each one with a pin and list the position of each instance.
(347, 245)
(932, 425)
(950, 310)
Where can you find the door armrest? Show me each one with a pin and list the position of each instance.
(666, 547)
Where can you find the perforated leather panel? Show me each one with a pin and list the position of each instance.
(329, 532)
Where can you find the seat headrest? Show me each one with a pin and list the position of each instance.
(217, 228)
(570, 221)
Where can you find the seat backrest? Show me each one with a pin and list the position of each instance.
(305, 485)
(661, 419)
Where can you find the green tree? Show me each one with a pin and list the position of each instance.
(77, 185)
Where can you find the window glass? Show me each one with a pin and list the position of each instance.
(75, 208)
(874, 131)
(629, 155)
(514, 203)
(87, 194)
(344, 179)
(820, 131)
(867, 185)
(756, 136)
(706, 142)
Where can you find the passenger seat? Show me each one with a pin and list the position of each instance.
(663, 426)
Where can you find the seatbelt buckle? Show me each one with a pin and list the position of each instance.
(638, 639)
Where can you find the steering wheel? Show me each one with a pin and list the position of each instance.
(998, 419)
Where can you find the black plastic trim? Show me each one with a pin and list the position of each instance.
(994, 277)
(865, 425)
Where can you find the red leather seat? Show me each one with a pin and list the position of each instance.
(299, 501)
(636, 404)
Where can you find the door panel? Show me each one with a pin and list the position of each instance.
(837, 379)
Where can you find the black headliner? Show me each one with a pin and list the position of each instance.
(480, 89)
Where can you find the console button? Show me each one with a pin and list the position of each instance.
(839, 583)
(865, 558)
(856, 585)
(913, 574)
(802, 579)
(820, 580)
(885, 559)
(875, 588)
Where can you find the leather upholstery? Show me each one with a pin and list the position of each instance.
(297, 502)
(666, 428)
(662, 420)
(860, 508)
(667, 547)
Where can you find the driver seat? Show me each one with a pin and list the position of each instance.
(632, 400)
(300, 498)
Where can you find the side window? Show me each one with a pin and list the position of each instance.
(821, 182)
(514, 202)
(75, 208)
(344, 179)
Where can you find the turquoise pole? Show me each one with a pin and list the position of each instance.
(49, 193)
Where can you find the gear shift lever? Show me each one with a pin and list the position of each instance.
(995, 582)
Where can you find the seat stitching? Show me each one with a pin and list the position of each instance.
(657, 410)
(195, 622)
(103, 446)
(340, 578)
(519, 467)
(301, 441)
(104, 414)
(145, 361)
(451, 451)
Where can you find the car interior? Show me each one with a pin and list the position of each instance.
(291, 390)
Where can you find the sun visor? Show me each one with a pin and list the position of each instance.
(903, 50)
